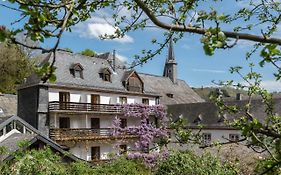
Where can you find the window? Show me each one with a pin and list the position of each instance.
(207, 137)
(95, 153)
(134, 83)
(123, 100)
(123, 122)
(95, 123)
(76, 70)
(170, 95)
(95, 99)
(157, 100)
(64, 97)
(145, 101)
(105, 74)
(123, 149)
(64, 122)
(234, 137)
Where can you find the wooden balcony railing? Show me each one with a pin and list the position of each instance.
(87, 107)
(69, 134)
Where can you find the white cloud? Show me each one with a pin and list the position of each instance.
(122, 58)
(209, 71)
(97, 27)
(271, 85)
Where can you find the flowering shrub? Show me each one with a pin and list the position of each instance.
(150, 134)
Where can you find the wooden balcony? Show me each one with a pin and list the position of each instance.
(80, 134)
(86, 107)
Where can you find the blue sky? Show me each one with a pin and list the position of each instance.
(194, 66)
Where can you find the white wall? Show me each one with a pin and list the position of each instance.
(83, 149)
(105, 98)
(219, 135)
(84, 120)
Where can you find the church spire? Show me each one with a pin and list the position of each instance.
(171, 55)
(170, 69)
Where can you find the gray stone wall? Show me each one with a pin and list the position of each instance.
(27, 105)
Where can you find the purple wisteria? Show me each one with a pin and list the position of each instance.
(151, 127)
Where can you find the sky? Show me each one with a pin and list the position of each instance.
(196, 68)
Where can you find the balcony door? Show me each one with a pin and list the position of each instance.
(95, 123)
(64, 97)
(95, 99)
(64, 122)
(123, 122)
(95, 153)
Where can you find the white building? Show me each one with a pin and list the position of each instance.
(77, 110)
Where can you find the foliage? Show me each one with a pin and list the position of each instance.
(47, 19)
(88, 52)
(42, 161)
(14, 68)
(188, 163)
(262, 135)
(122, 166)
(151, 133)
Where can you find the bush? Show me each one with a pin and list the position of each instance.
(185, 163)
(122, 166)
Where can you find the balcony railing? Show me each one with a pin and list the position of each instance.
(87, 107)
(69, 134)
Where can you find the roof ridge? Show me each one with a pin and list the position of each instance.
(153, 75)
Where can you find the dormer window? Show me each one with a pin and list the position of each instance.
(132, 81)
(199, 119)
(170, 95)
(105, 74)
(76, 70)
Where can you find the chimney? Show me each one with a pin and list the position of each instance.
(114, 61)
(239, 96)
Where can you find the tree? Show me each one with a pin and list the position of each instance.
(49, 19)
(14, 68)
(88, 52)
(257, 21)
(185, 162)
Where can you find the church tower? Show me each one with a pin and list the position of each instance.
(170, 69)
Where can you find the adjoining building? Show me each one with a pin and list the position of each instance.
(14, 130)
(212, 123)
(77, 111)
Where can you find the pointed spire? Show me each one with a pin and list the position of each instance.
(171, 54)
(170, 69)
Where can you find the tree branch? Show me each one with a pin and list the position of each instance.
(202, 31)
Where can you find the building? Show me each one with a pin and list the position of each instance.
(77, 111)
(214, 128)
(14, 130)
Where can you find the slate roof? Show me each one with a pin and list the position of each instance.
(8, 105)
(153, 85)
(209, 113)
(11, 142)
(182, 93)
